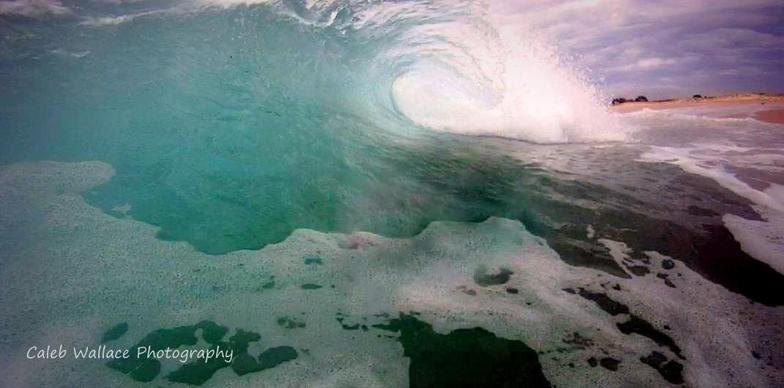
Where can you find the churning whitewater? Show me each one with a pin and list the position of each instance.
(369, 194)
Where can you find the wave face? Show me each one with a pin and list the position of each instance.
(232, 124)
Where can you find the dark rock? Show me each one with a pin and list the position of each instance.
(667, 264)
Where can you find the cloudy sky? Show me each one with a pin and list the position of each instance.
(667, 47)
(659, 48)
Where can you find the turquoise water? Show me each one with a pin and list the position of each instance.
(225, 130)
(229, 129)
(398, 182)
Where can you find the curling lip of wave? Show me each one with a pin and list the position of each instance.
(474, 75)
(503, 82)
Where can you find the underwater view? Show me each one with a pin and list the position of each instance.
(423, 193)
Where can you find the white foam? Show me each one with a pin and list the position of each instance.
(691, 162)
(90, 270)
(104, 21)
(764, 240)
(73, 54)
(506, 82)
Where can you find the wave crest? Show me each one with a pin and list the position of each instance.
(479, 76)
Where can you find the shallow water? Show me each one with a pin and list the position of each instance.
(376, 188)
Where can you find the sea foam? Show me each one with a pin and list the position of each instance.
(496, 78)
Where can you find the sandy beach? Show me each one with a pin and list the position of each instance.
(763, 107)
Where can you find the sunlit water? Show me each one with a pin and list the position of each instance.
(356, 183)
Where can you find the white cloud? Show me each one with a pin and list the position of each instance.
(653, 63)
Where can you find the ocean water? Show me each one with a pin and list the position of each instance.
(370, 194)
